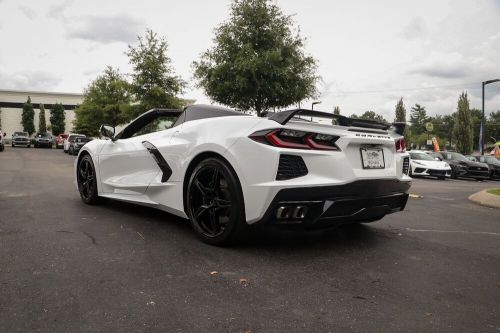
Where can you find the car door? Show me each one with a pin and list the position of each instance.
(126, 165)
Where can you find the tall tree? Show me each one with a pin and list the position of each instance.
(57, 119)
(463, 125)
(418, 118)
(258, 61)
(336, 110)
(42, 124)
(400, 111)
(28, 117)
(105, 101)
(154, 84)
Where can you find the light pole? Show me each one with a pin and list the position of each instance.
(483, 121)
(313, 104)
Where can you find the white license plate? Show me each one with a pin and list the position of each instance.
(372, 158)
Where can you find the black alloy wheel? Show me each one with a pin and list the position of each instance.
(214, 203)
(86, 179)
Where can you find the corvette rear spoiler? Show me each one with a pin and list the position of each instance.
(284, 117)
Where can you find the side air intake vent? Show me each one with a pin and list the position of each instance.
(406, 165)
(291, 166)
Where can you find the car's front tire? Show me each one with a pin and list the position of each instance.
(214, 203)
(86, 180)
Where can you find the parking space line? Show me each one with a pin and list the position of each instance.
(455, 231)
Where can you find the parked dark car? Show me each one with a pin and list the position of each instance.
(77, 144)
(493, 164)
(21, 139)
(43, 140)
(463, 167)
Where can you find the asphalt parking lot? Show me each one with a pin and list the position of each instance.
(68, 267)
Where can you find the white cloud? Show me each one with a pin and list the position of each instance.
(106, 29)
(29, 12)
(29, 80)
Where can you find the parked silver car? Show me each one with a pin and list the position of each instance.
(21, 139)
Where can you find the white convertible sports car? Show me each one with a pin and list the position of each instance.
(423, 164)
(225, 170)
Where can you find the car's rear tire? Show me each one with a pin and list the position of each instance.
(214, 203)
(86, 180)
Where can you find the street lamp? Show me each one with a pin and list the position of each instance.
(483, 120)
(314, 103)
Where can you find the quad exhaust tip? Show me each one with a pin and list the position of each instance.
(291, 212)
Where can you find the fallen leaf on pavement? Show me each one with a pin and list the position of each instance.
(244, 282)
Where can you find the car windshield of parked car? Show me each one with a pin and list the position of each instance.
(490, 159)
(20, 134)
(80, 140)
(421, 156)
(454, 156)
(42, 135)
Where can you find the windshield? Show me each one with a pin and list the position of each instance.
(491, 160)
(42, 135)
(421, 156)
(20, 134)
(80, 140)
(454, 156)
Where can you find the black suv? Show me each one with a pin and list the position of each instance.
(492, 163)
(463, 167)
(43, 140)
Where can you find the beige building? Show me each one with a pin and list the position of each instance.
(11, 104)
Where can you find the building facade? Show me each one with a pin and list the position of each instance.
(11, 105)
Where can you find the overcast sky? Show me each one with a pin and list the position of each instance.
(369, 52)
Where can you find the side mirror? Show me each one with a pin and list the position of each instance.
(437, 159)
(108, 132)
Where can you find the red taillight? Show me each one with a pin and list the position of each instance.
(286, 138)
(400, 145)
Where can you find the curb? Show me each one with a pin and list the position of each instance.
(486, 199)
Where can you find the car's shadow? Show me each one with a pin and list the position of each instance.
(274, 239)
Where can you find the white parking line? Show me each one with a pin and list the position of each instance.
(455, 231)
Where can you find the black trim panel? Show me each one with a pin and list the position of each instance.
(164, 167)
(359, 201)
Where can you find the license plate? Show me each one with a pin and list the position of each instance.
(372, 158)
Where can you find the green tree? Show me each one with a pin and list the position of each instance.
(418, 118)
(57, 119)
(258, 60)
(400, 111)
(372, 115)
(475, 118)
(336, 110)
(154, 83)
(105, 101)
(28, 117)
(493, 127)
(463, 125)
(42, 124)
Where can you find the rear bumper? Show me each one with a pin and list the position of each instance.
(327, 206)
(43, 144)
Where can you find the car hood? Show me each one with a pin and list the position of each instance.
(469, 164)
(431, 164)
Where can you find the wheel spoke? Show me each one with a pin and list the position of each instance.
(222, 203)
(214, 223)
(200, 211)
(215, 180)
(203, 190)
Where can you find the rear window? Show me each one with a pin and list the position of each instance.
(71, 137)
(80, 140)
